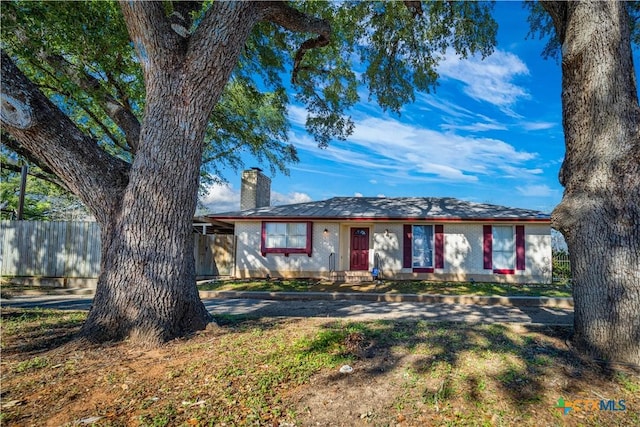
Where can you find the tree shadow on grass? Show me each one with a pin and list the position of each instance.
(525, 365)
(29, 332)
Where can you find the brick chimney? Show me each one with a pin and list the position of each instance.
(255, 190)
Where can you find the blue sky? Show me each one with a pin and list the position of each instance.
(491, 133)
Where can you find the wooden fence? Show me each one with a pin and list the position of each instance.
(72, 250)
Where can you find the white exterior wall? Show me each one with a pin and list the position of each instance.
(248, 258)
(387, 243)
(463, 249)
(251, 263)
(463, 253)
(537, 244)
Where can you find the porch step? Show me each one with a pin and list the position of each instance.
(351, 276)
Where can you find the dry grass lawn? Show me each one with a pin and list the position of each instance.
(275, 371)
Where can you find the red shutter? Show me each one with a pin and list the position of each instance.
(406, 246)
(263, 239)
(520, 252)
(439, 243)
(487, 242)
(309, 238)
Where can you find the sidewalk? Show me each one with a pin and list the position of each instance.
(507, 301)
(264, 304)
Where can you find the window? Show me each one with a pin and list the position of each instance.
(422, 246)
(504, 248)
(286, 237)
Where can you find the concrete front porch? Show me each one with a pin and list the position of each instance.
(354, 276)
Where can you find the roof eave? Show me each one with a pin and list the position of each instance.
(379, 219)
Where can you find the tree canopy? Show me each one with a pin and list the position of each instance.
(81, 56)
(125, 103)
(138, 97)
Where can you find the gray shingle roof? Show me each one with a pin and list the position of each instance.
(373, 208)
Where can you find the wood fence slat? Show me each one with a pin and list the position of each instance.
(73, 250)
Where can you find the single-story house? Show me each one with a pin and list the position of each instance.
(350, 238)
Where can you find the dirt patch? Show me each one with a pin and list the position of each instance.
(287, 372)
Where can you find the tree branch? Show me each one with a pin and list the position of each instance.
(49, 136)
(293, 20)
(15, 146)
(415, 7)
(122, 116)
(46, 177)
(558, 11)
(216, 44)
(153, 38)
(105, 129)
(90, 113)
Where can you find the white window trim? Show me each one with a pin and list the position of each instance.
(494, 251)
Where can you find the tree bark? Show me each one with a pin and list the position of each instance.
(599, 215)
(97, 178)
(147, 288)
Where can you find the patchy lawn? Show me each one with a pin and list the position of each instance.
(275, 371)
(397, 287)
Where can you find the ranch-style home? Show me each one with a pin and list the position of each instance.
(351, 238)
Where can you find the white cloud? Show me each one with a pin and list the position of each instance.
(445, 155)
(357, 194)
(489, 80)
(221, 198)
(537, 125)
(475, 127)
(443, 105)
(457, 117)
(396, 149)
(224, 198)
(319, 171)
(290, 198)
(509, 171)
(297, 114)
(536, 190)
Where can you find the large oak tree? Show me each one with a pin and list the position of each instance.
(204, 66)
(599, 214)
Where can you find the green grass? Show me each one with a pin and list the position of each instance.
(23, 321)
(34, 363)
(627, 382)
(392, 287)
(255, 371)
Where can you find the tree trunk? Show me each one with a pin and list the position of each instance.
(600, 211)
(147, 290)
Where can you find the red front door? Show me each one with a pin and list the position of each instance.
(359, 249)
